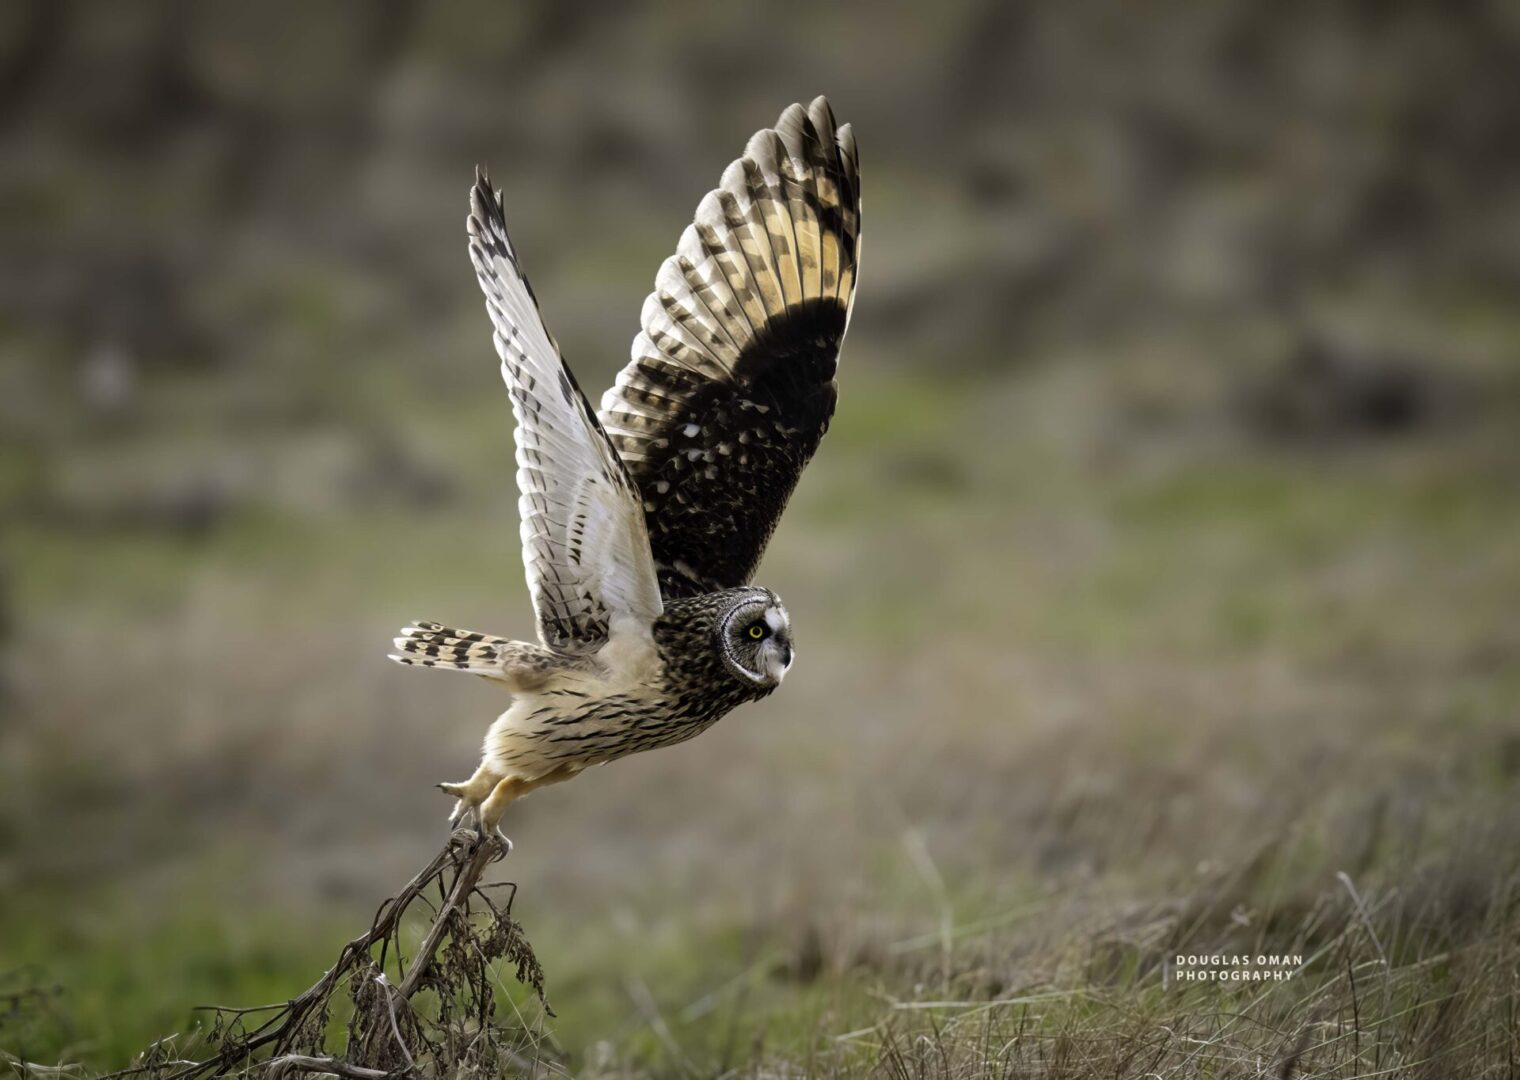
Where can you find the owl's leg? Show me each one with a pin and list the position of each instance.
(471, 793)
(510, 790)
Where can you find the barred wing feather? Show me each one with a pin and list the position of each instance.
(731, 383)
(585, 543)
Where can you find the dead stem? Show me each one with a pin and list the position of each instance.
(386, 1035)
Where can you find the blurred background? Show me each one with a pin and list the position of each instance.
(1162, 561)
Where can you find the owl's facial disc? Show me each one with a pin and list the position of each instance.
(776, 649)
(757, 642)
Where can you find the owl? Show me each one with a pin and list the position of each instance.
(643, 522)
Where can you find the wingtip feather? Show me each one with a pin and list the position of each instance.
(485, 204)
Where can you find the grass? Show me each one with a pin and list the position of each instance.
(1080, 689)
(125, 975)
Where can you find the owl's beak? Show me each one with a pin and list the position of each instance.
(777, 657)
(784, 655)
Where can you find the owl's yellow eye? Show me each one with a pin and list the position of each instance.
(757, 631)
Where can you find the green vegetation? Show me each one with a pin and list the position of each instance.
(1064, 718)
(1156, 590)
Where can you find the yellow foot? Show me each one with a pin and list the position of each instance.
(469, 794)
(502, 794)
(464, 806)
(502, 839)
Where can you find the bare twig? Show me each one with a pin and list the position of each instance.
(307, 1063)
(390, 1007)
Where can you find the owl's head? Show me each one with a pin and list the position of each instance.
(755, 636)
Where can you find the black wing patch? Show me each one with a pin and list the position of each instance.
(731, 385)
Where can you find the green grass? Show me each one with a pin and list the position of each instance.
(126, 973)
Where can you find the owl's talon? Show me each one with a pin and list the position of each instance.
(492, 834)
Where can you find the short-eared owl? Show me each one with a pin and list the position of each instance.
(643, 523)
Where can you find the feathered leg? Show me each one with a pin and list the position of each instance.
(511, 789)
(471, 793)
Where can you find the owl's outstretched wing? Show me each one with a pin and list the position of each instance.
(731, 384)
(585, 544)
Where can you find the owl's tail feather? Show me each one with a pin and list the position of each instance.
(430, 644)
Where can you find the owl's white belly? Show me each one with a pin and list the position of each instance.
(582, 718)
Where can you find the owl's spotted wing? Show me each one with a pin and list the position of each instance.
(731, 385)
(585, 543)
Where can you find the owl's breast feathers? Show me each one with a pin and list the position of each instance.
(648, 691)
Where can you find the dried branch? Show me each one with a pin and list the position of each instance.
(386, 1036)
(306, 1063)
(464, 885)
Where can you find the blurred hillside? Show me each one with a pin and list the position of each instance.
(253, 206)
(215, 185)
(1158, 567)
